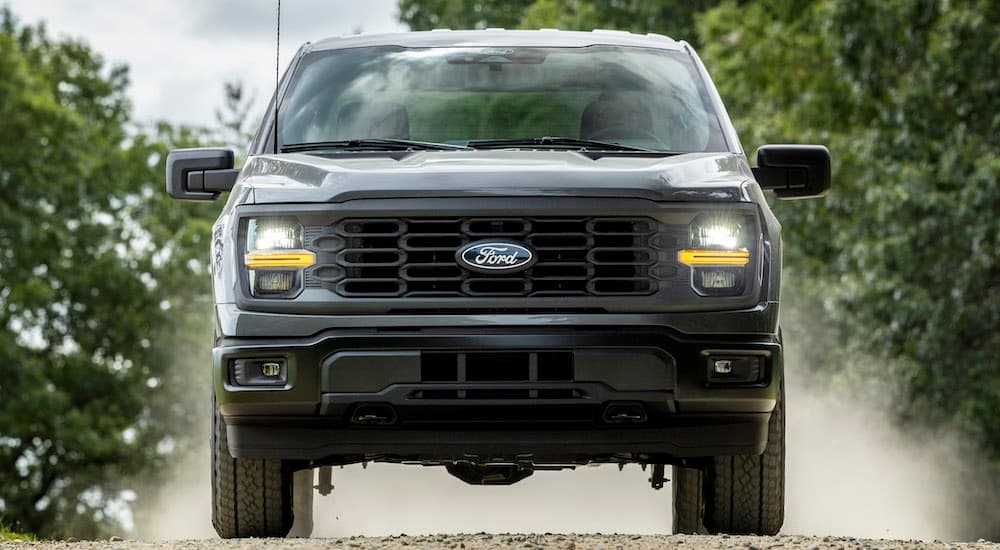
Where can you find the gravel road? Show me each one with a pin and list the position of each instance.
(547, 541)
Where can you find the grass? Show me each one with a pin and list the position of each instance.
(7, 534)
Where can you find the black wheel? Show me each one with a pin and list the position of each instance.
(739, 495)
(250, 498)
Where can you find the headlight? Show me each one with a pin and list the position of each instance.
(718, 254)
(274, 257)
(274, 234)
(716, 233)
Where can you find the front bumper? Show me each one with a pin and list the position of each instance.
(529, 394)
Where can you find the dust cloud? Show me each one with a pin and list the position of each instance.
(850, 473)
(181, 508)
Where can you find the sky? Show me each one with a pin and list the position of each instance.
(181, 52)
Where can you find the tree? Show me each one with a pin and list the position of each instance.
(907, 258)
(234, 123)
(461, 14)
(672, 17)
(96, 268)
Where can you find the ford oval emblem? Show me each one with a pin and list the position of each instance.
(495, 257)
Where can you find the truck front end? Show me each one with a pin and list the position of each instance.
(500, 252)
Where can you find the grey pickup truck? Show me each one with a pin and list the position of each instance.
(498, 252)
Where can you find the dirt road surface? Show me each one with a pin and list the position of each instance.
(525, 541)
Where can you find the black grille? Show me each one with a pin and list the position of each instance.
(415, 257)
(497, 375)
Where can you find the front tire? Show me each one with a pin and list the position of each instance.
(738, 495)
(250, 497)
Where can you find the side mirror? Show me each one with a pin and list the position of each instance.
(794, 171)
(200, 174)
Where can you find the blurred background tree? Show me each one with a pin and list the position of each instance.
(902, 255)
(103, 280)
(893, 278)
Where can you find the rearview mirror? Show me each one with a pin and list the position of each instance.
(794, 171)
(200, 174)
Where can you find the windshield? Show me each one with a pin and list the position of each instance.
(635, 97)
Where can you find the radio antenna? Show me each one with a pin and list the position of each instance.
(277, 64)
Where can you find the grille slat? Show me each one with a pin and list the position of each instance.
(498, 375)
(589, 256)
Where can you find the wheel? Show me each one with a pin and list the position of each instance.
(250, 498)
(739, 495)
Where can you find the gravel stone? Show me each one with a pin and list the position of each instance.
(483, 541)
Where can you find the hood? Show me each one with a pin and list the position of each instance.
(305, 178)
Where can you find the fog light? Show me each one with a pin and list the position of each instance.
(272, 282)
(735, 369)
(270, 369)
(722, 366)
(259, 372)
(717, 279)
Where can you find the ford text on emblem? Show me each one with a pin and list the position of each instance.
(495, 257)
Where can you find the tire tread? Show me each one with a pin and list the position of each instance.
(250, 497)
(738, 495)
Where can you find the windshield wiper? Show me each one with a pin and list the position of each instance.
(371, 144)
(583, 144)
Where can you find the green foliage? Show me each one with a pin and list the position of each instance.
(96, 266)
(671, 17)
(674, 18)
(437, 116)
(9, 533)
(6, 534)
(907, 241)
(425, 15)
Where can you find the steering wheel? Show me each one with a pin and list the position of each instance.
(617, 130)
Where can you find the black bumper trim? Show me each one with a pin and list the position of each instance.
(400, 395)
(306, 439)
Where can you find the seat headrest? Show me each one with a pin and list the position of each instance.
(615, 111)
(373, 120)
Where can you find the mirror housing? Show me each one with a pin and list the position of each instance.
(200, 174)
(794, 171)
